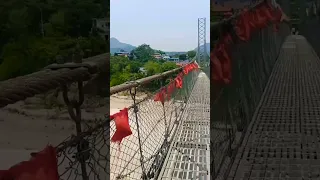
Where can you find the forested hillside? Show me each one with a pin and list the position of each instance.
(35, 33)
(123, 69)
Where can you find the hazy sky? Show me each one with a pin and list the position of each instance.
(168, 25)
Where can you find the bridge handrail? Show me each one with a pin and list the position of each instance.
(51, 77)
(142, 81)
(133, 84)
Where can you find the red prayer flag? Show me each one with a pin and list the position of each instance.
(252, 20)
(160, 96)
(216, 74)
(242, 26)
(221, 61)
(187, 69)
(123, 130)
(42, 166)
(170, 89)
(266, 9)
(178, 81)
(261, 20)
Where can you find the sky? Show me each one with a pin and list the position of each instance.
(167, 25)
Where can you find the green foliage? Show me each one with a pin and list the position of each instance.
(182, 57)
(191, 54)
(66, 25)
(176, 56)
(160, 52)
(167, 66)
(152, 68)
(122, 70)
(144, 53)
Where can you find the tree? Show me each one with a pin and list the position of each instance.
(117, 64)
(182, 57)
(160, 52)
(56, 25)
(66, 23)
(176, 55)
(191, 54)
(144, 53)
(152, 68)
(122, 70)
(167, 66)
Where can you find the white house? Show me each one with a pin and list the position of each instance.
(166, 57)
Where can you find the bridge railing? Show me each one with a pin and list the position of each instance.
(85, 154)
(141, 155)
(233, 101)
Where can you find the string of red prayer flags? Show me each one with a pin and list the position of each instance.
(165, 93)
(248, 22)
(121, 118)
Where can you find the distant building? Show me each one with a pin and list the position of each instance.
(102, 26)
(165, 57)
(157, 55)
(174, 59)
(122, 53)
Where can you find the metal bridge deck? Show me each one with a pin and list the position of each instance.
(189, 155)
(283, 139)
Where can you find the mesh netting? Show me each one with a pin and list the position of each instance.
(85, 153)
(233, 105)
(157, 125)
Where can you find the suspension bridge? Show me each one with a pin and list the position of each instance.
(169, 140)
(262, 123)
(270, 110)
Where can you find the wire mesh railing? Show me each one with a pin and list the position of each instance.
(85, 154)
(88, 153)
(233, 104)
(154, 125)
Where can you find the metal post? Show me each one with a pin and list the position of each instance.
(202, 55)
(74, 109)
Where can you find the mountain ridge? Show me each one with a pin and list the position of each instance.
(116, 46)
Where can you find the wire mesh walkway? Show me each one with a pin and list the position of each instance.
(189, 154)
(283, 138)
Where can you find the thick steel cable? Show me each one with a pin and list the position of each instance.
(22, 87)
